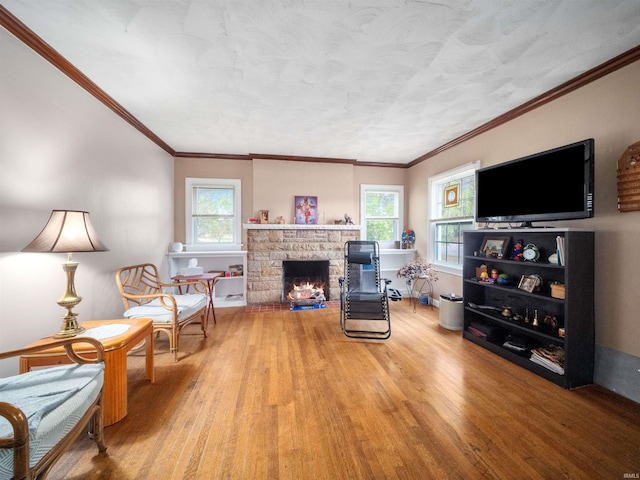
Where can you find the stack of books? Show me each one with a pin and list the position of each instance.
(551, 358)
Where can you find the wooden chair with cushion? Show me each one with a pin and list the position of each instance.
(144, 296)
(44, 411)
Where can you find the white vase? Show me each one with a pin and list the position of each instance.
(176, 247)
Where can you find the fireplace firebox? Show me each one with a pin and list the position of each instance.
(305, 282)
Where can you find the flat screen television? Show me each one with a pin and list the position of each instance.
(552, 185)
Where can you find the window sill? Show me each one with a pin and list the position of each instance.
(449, 269)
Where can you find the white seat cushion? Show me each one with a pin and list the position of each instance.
(187, 305)
(49, 421)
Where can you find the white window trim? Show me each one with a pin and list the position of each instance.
(364, 188)
(450, 175)
(190, 183)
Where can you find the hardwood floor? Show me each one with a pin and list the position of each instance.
(286, 395)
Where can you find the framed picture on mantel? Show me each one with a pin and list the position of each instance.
(306, 210)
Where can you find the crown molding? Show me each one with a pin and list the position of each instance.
(37, 44)
(622, 60)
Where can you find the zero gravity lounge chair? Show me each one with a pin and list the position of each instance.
(364, 296)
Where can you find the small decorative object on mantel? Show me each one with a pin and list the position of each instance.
(348, 220)
(280, 220)
(629, 179)
(264, 216)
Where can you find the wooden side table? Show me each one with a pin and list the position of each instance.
(115, 363)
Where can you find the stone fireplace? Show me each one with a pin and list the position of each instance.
(269, 245)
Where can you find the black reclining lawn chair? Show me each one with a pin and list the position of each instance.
(364, 296)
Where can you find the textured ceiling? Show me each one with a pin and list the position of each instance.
(375, 81)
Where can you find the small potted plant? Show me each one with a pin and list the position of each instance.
(418, 268)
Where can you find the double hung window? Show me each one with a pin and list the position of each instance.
(452, 196)
(213, 213)
(382, 213)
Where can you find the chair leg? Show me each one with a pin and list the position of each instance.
(204, 319)
(97, 428)
(175, 341)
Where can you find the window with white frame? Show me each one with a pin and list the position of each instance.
(213, 213)
(452, 196)
(382, 213)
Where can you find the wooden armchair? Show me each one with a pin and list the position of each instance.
(143, 296)
(43, 412)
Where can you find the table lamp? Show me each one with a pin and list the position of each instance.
(68, 231)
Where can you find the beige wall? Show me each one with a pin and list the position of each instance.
(62, 149)
(273, 184)
(607, 110)
(276, 183)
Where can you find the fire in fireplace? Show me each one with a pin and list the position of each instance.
(305, 282)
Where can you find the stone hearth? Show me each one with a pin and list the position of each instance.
(268, 245)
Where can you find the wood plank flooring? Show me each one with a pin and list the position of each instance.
(286, 395)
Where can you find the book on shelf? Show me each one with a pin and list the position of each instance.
(560, 249)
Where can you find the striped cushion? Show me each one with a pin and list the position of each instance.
(187, 305)
(55, 424)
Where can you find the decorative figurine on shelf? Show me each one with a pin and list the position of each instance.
(551, 321)
(408, 239)
(348, 220)
(516, 252)
(535, 319)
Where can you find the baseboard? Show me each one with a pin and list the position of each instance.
(618, 372)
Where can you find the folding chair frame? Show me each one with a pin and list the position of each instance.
(358, 256)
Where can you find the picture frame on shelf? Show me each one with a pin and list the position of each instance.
(494, 246)
(529, 283)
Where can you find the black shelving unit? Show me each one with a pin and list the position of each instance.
(574, 313)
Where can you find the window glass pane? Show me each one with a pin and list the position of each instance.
(451, 215)
(448, 241)
(214, 201)
(213, 229)
(381, 204)
(381, 230)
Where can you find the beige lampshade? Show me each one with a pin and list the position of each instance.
(67, 231)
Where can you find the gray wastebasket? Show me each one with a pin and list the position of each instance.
(451, 312)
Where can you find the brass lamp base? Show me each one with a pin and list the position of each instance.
(69, 327)
(69, 299)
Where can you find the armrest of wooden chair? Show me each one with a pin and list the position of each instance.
(17, 459)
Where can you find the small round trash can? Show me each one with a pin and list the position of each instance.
(451, 312)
